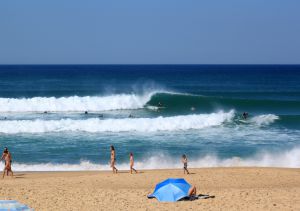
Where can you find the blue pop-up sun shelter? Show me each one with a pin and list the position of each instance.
(13, 205)
(171, 190)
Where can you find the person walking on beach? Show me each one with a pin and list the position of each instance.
(6, 156)
(132, 163)
(113, 159)
(184, 161)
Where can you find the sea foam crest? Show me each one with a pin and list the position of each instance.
(288, 159)
(265, 119)
(184, 122)
(75, 103)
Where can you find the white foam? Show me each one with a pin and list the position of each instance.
(75, 103)
(93, 125)
(287, 159)
(265, 119)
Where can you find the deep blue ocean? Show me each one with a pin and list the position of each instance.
(65, 117)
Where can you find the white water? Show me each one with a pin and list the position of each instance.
(93, 125)
(288, 159)
(75, 103)
(262, 120)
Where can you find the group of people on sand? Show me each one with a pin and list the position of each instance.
(113, 161)
(6, 156)
(184, 160)
(192, 191)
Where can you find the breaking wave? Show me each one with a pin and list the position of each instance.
(171, 101)
(287, 159)
(262, 120)
(93, 125)
(75, 103)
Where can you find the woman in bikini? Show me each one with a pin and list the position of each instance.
(6, 156)
(184, 161)
(113, 159)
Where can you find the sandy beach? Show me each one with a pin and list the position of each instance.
(233, 188)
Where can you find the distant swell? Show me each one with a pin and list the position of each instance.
(182, 102)
(287, 159)
(117, 125)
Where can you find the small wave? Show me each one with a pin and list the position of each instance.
(287, 159)
(185, 122)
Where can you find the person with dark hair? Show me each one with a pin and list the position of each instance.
(6, 156)
(113, 159)
(132, 163)
(245, 115)
(184, 161)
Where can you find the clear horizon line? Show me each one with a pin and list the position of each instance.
(137, 64)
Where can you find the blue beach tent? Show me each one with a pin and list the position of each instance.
(13, 205)
(171, 190)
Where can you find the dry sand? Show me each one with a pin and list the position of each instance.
(233, 188)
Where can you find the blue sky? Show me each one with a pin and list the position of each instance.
(150, 32)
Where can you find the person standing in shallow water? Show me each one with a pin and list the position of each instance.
(132, 163)
(184, 161)
(113, 159)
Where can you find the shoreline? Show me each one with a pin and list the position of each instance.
(162, 169)
(234, 188)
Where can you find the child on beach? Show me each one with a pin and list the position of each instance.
(132, 163)
(184, 161)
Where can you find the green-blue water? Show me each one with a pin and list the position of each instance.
(43, 120)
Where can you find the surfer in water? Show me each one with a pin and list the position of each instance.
(245, 115)
(159, 106)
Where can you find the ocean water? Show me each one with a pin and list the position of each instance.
(44, 125)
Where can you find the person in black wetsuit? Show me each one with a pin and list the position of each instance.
(245, 115)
